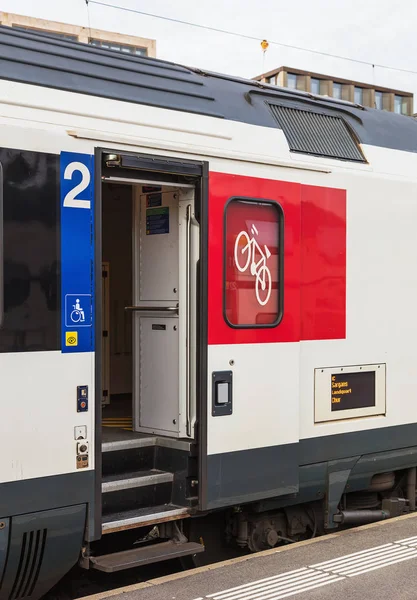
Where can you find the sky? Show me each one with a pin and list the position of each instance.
(380, 32)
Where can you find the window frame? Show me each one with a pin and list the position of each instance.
(289, 74)
(337, 83)
(379, 94)
(361, 91)
(281, 245)
(319, 81)
(98, 43)
(403, 104)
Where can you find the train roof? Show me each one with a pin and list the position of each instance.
(39, 59)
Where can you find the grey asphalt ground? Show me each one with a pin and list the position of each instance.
(395, 581)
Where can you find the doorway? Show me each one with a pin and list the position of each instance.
(117, 366)
(150, 247)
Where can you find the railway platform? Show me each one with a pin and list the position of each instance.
(369, 562)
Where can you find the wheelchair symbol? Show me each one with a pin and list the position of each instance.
(78, 310)
(77, 315)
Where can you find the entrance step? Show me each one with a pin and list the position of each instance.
(147, 479)
(126, 452)
(119, 439)
(128, 456)
(136, 490)
(131, 519)
(114, 483)
(137, 557)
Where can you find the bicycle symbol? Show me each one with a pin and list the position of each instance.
(77, 315)
(247, 254)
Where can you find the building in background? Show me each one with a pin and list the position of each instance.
(128, 44)
(342, 89)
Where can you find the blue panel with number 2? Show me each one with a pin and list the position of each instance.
(77, 252)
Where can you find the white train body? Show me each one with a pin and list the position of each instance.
(344, 291)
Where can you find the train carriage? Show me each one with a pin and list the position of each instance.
(207, 292)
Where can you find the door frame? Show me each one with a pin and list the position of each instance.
(155, 169)
(183, 421)
(105, 365)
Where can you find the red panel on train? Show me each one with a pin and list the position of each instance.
(314, 285)
(222, 187)
(323, 263)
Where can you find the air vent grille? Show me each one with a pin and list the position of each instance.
(31, 556)
(316, 133)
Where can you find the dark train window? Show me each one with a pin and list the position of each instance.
(253, 291)
(31, 252)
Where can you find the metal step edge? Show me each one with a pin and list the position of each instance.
(132, 443)
(143, 442)
(172, 514)
(136, 482)
(128, 559)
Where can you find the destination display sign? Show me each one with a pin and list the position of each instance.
(353, 390)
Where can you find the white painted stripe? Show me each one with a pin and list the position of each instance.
(381, 561)
(329, 562)
(361, 560)
(334, 565)
(257, 585)
(239, 587)
(409, 545)
(289, 589)
(410, 539)
(270, 590)
(294, 586)
(393, 562)
(314, 576)
(304, 589)
(377, 561)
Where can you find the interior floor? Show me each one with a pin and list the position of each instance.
(116, 434)
(118, 414)
(112, 435)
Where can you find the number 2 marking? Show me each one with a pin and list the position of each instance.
(70, 200)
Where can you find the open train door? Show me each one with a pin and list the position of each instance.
(250, 423)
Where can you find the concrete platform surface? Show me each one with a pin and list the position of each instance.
(374, 562)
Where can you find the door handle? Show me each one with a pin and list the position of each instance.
(169, 309)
